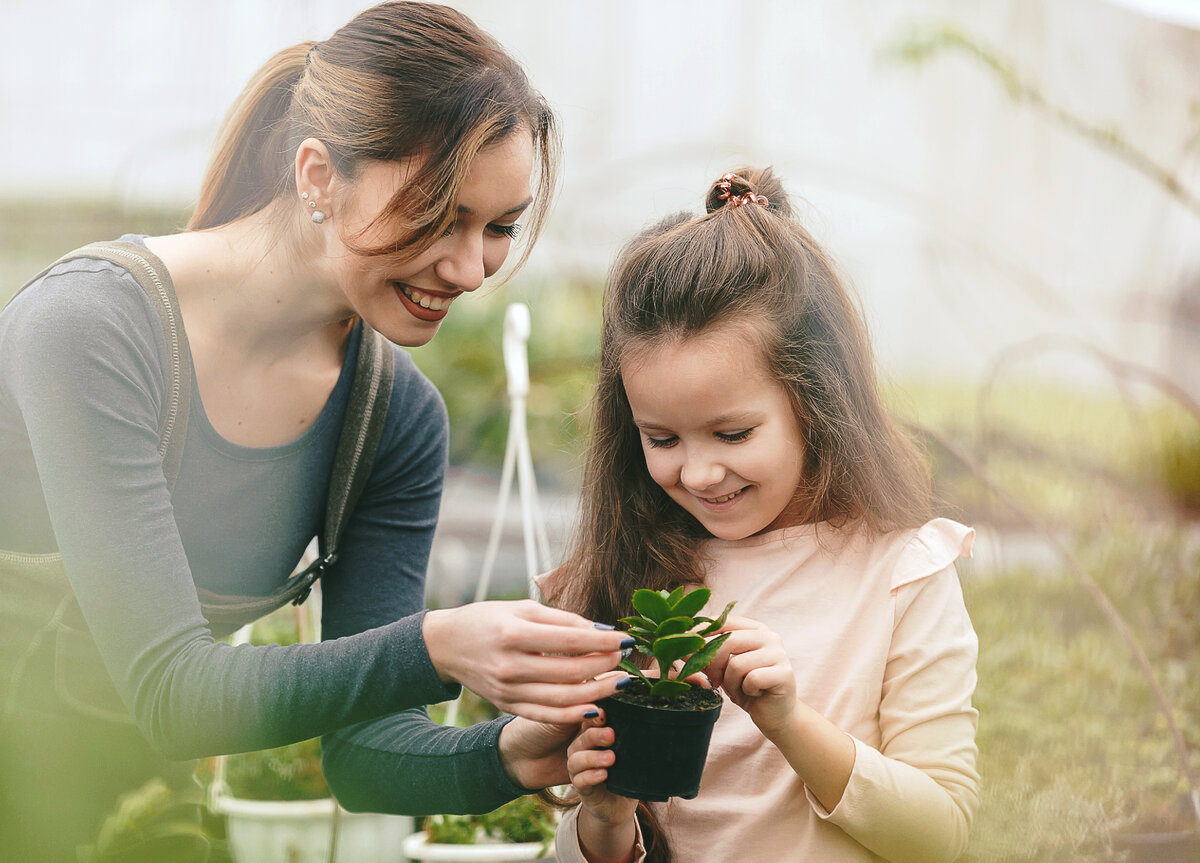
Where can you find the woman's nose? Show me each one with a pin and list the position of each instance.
(461, 262)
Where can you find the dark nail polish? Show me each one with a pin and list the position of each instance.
(592, 714)
(627, 652)
(628, 641)
(623, 683)
(603, 626)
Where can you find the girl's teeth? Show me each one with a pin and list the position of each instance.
(730, 496)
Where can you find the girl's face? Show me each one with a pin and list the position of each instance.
(407, 301)
(718, 432)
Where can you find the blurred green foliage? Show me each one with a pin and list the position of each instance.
(526, 819)
(1074, 750)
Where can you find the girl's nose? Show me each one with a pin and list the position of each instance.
(700, 472)
(461, 262)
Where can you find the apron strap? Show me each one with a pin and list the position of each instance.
(362, 429)
(151, 274)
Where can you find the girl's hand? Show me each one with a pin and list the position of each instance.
(606, 820)
(754, 670)
(525, 658)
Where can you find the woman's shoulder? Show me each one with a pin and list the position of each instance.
(84, 306)
(415, 400)
(416, 430)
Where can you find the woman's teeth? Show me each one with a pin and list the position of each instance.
(426, 301)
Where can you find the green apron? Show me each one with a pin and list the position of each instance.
(68, 746)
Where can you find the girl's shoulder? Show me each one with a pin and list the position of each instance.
(908, 556)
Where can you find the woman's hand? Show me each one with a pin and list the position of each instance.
(525, 658)
(534, 754)
(606, 821)
(754, 670)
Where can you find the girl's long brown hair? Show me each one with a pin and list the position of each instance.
(757, 268)
(401, 80)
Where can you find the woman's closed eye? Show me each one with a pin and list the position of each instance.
(509, 231)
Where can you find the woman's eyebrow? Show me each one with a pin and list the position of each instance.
(467, 211)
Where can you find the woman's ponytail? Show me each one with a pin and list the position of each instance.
(246, 171)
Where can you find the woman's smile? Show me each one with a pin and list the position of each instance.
(422, 304)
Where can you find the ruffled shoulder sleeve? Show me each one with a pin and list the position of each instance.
(549, 585)
(934, 547)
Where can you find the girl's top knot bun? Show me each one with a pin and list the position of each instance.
(747, 186)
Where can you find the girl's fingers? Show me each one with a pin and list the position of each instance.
(588, 757)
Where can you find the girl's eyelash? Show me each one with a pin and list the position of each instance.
(656, 442)
(734, 437)
(509, 231)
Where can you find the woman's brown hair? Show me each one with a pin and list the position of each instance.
(754, 267)
(401, 80)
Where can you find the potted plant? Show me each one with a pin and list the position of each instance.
(519, 831)
(663, 724)
(275, 803)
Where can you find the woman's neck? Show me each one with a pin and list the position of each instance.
(262, 289)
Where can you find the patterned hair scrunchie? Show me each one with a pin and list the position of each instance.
(725, 193)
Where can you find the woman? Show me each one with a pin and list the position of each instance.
(368, 181)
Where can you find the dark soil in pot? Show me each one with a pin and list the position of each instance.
(661, 743)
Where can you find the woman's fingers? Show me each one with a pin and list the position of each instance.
(557, 704)
(523, 657)
(537, 628)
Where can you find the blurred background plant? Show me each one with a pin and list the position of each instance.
(1009, 184)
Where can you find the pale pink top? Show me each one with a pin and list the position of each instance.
(882, 646)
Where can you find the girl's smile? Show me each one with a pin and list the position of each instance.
(719, 434)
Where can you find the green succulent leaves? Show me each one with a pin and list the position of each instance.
(667, 628)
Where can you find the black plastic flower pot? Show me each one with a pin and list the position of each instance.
(660, 747)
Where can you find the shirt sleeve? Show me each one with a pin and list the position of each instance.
(912, 799)
(566, 840)
(83, 361)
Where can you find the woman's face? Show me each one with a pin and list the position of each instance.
(718, 432)
(406, 301)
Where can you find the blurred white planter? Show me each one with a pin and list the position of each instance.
(419, 848)
(300, 831)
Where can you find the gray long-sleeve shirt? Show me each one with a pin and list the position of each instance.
(83, 372)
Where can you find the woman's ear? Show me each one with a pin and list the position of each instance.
(314, 175)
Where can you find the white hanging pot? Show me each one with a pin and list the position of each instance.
(302, 831)
(417, 847)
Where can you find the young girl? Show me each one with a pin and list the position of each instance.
(362, 187)
(740, 442)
